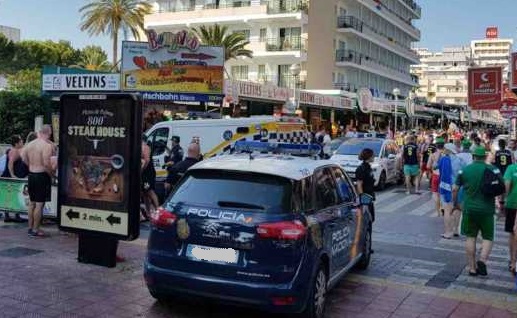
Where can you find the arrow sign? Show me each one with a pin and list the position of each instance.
(197, 56)
(113, 220)
(72, 215)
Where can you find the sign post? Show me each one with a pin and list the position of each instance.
(99, 161)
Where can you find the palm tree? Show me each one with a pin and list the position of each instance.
(93, 58)
(234, 43)
(113, 16)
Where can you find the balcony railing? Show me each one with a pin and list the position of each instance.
(169, 7)
(293, 43)
(344, 86)
(285, 6)
(349, 21)
(289, 81)
(413, 5)
(405, 20)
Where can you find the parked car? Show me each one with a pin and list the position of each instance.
(385, 167)
(271, 231)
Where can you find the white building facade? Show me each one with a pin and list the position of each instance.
(339, 44)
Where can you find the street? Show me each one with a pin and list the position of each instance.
(414, 273)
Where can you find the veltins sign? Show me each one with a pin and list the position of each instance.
(100, 148)
(485, 88)
(81, 82)
(513, 70)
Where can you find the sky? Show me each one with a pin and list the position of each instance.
(444, 22)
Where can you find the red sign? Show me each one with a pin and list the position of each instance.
(485, 88)
(513, 69)
(491, 33)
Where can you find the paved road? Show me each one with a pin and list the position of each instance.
(414, 273)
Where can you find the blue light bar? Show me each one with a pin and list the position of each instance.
(281, 148)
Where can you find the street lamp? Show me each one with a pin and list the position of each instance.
(396, 93)
(295, 70)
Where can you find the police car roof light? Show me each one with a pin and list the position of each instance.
(371, 135)
(280, 148)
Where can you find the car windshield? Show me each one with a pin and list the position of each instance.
(354, 147)
(225, 189)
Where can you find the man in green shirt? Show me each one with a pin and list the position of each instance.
(510, 180)
(478, 211)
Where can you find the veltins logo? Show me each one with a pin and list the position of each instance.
(485, 82)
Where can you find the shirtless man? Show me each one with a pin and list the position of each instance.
(36, 156)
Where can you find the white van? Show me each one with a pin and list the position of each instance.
(218, 135)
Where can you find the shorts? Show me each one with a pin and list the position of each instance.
(148, 179)
(39, 187)
(471, 225)
(423, 167)
(411, 170)
(435, 183)
(444, 202)
(510, 220)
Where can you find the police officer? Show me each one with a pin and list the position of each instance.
(176, 153)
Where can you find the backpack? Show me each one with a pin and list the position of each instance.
(493, 184)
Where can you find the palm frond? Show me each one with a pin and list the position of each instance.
(234, 44)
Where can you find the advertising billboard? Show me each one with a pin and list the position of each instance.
(81, 82)
(100, 147)
(492, 32)
(513, 70)
(172, 63)
(485, 88)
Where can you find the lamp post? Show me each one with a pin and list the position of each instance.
(396, 93)
(295, 70)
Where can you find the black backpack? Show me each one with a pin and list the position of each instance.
(493, 184)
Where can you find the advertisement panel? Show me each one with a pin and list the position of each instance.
(81, 82)
(14, 197)
(492, 32)
(513, 70)
(172, 63)
(100, 145)
(485, 88)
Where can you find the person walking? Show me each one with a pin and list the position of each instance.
(426, 150)
(365, 181)
(432, 165)
(510, 226)
(478, 211)
(148, 181)
(36, 155)
(179, 169)
(15, 168)
(410, 163)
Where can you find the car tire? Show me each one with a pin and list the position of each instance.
(364, 262)
(160, 297)
(318, 295)
(382, 181)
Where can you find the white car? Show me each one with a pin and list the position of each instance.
(385, 167)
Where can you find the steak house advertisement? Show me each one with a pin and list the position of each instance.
(95, 162)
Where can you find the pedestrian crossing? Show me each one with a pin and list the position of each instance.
(499, 283)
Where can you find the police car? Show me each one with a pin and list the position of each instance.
(269, 229)
(385, 168)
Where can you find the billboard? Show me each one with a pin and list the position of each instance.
(513, 70)
(485, 88)
(172, 62)
(99, 153)
(81, 82)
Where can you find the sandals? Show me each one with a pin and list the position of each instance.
(481, 268)
(40, 234)
(446, 237)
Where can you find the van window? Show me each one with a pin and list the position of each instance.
(158, 141)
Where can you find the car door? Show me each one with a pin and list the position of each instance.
(158, 141)
(391, 160)
(347, 220)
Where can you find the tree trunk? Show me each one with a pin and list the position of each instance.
(115, 47)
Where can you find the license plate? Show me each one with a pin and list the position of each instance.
(212, 254)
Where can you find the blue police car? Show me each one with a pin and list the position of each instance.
(269, 230)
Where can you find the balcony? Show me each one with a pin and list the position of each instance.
(289, 81)
(294, 43)
(373, 65)
(285, 6)
(377, 36)
(345, 86)
(413, 6)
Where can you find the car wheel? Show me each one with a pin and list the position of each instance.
(364, 262)
(160, 297)
(317, 300)
(382, 181)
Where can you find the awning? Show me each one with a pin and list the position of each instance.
(422, 116)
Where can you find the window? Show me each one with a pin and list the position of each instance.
(263, 35)
(158, 141)
(262, 72)
(240, 72)
(326, 194)
(246, 33)
(344, 187)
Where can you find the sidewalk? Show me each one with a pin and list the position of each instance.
(41, 278)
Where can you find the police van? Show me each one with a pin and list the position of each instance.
(217, 136)
(264, 227)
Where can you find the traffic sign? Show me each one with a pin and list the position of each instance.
(99, 161)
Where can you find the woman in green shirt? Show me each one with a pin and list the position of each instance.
(510, 180)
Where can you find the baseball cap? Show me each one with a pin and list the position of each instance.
(451, 148)
(479, 152)
(440, 140)
(465, 143)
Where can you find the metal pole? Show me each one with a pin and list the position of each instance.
(441, 121)
(396, 110)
